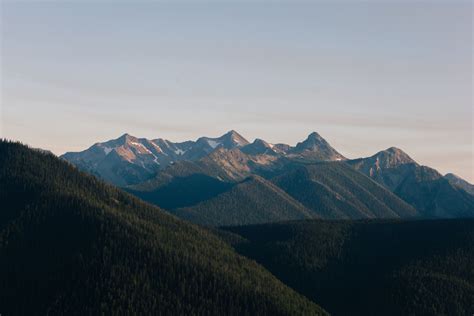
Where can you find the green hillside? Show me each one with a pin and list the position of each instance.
(70, 244)
(294, 191)
(370, 267)
(252, 201)
(183, 191)
(334, 190)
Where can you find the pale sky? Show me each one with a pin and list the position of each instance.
(366, 75)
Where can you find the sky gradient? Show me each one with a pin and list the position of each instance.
(365, 75)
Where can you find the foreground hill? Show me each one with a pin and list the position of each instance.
(69, 244)
(370, 268)
(334, 190)
(424, 188)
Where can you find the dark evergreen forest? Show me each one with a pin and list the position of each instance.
(374, 267)
(70, 244)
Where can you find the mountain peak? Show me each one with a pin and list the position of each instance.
(259, 146)
(314, 139)
(232, 132)
(261, 142)
(126, 138)
(125, 135)
(395, 150)
(316, 146)
(314, 135)
(392, 157)
(234, 138)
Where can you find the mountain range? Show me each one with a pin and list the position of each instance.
(223, 180)
(130, 160)
(73, 244)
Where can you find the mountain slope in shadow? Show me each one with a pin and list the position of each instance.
(70, 244)
(369, 267)
(253, 200)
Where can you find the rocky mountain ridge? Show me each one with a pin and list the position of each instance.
(129, 160)
(157, 167)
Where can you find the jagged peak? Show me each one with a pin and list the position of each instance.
(261, 142)
(313, 139)
(392, 157)
(259, 146)
(236, 137)
(394, 151)
(110, 144)
(126, 138)
(314, 135)
(229, 140)
(318, 147)
(232, 132)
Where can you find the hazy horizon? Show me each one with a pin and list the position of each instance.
(364, 75)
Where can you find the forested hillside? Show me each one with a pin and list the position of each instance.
(184, 191)
(333, 190)
(251, 201)
(370, 267)
(70, 244)
(295, 190)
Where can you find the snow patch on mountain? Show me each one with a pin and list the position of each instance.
(142, 147)
(158, 148)
(213, 143)
(107, 150)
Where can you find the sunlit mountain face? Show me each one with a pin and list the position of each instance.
(227, 180)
